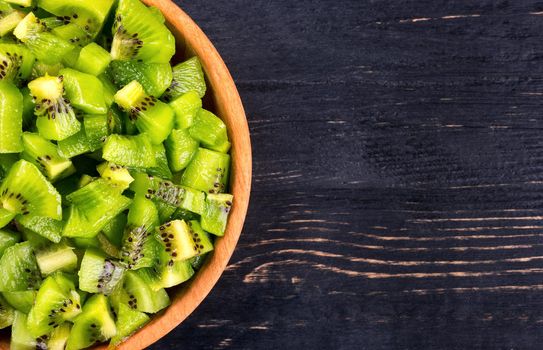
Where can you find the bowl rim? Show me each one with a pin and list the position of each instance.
(229, 107)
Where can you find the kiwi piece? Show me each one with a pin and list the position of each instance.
(183, 240)
(209, 129)
(115, 228)
(223, 147)
(24, 3)
(40, 69)
(7, 239)
(45, 156)
(46, 47)
(21, 339)
(187, 76)
(84, 91)
(100, 241)
(59, 337)
(215, 215)
(128, 322)
(117, 175)
(99, 274)
(57, 301)
(150, 115)
(42, 225)
(6, 314)
(88, 15)
(207, 171)
(21, 301)
(93, 59)
(10, 20)
(139, 296)
(74, 145)
(19, 269)
(96, 130)
(72, 33)
(17, 62)
(139, 247)
(26, 191)
(162, 169)
(186, 107)
(130, 151)
(56, 117)
(92, 207)
(11, 118)
(180, 148)
(95, 324)
(166, 272)
(137, 34)
(154, 77)
(58, 257)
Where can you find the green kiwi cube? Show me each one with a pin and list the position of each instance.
(17, 62)
(167, 273)
(162, 169)
(193, 200)
(26, 191)
(45, 156)
(117, 175)
(85, 91)
(209, 129)
(11, 118)
(115, 228)
(92, 207)
(19, 269)
(182, 241)
(140, 296)
(207, 171)
(99, 274)
(180, 148)
(6, 313)
(93, 59)
(95, 324)
(154, 77)
(7, 239)
(100, 242)
(21, 337)
(96, 129)
(72, 33)
(186, 107)
(109, 89)
(9, 22)
(215, 215)
(128, 322)
(74, 145)
(139, 35)
(187, 76)
(22, 300)
(42, 225)
(131, 151)
(58, 257)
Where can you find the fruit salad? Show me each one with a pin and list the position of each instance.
(114, 178)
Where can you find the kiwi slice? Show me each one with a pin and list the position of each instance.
(183, 240)
(46, 47)
(215, 215)
(117, 175)
(166, 273)
(19, 269)
(128, 322)
(58, 257)
(84, 91)
(57, 301)
(56, 117)
(11, 118)
(180, 148)
(209, 129)
(17, 62)
(150, 115)
(42, 225)
(154, 77)
(92, 207)
(139, 247)
(7, 239)
(22, 300)
(139, 296)
(130, 151)
(99, 274)
(93, 59)
(207, 171)
(139, 35)
(95, 324)
(6, 313)
(45, 156)
(186, 107)
(187, 76)
(26, 191)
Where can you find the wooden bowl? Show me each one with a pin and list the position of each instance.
(223, 98)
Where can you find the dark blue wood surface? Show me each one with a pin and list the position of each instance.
(398, 183)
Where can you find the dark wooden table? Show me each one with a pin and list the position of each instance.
(398, 183)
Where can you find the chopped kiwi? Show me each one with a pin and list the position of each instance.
(56, 117)
(138, 34)
(150, 115)
(112, 173)
(11, 118)
(187, 76)
(45, 156)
